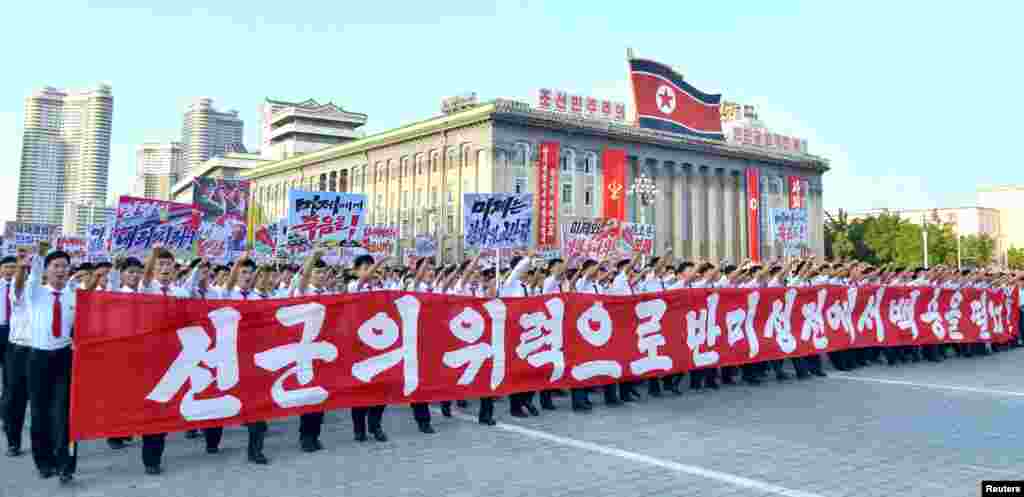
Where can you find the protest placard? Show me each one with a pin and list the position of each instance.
(141, 222)
(497, 220)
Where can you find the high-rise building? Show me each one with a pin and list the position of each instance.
(65, 157)
(288, 129)
(158, 166)
(207, 132)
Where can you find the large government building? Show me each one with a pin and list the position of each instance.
(414, 177)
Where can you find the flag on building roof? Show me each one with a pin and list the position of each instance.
(667, 103)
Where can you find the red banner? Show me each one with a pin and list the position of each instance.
(614, 183)
(547, 195)
(753, 210)
(148, 364)
(796, 192)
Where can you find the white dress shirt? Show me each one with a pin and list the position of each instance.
(21, 330)
(40, 301)
(584, 285)
(513, 285)
(620, 285)
(552, 285)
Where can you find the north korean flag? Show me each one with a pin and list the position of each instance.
(665, 102)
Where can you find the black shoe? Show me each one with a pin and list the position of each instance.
(588, 404)
(446, 410)
(212, 450)
(424, 428)
(462, 404)
(531, 409)
(581, 408)
(360, 437)
(614, 403)
(488, 421)
(258, 458)
(13, 451)
(115, 443)
(818, 372)
(629, 396)
(752, 380)
(312, 445)
(379, 435)
(47, 473)
(780, 376)
(674, 389)
(548, 405)
(518, 413)
(728, 381)
(153, 470)
(803, 376)
(712, 384)
(192, 434)
(66, 478)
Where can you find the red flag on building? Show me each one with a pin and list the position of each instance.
(547, 195)
(796, 192)
(614, 161)
(753, 210)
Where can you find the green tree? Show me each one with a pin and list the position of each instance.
(977, 250)
(1015, 258)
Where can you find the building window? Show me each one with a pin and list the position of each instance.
(405, 199)
(433, 196)
(405, 166)
(419, 164)
(465, 155)
(451, 223)
(519, 184)
(567, 199)
(452, 158)
(419, 197)
(589, 164)
(343, 181)
(332, 181)
(588, 197)
(566, 165)
(451, 195)
(435, 158)
(380, 201)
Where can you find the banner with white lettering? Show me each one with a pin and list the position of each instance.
(190, 365)
(497, 220)
(142, 222)
(29, 234)
(324, 218)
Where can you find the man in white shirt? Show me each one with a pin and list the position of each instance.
(51, 313)
(8, 266)
(311, 283)
(364, 269)
(515, 286)
(15, 396)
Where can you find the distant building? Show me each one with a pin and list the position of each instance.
(230, 166)
(207, 133)
(1009, 201)
(966, 221)
(158, 166)
(294, 128)
(65, 157)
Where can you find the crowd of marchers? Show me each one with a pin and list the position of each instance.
(40, 286)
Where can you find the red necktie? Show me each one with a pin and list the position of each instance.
(163, 290)
(8, 312)
(56, 315)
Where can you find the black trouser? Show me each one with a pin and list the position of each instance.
(486, 409)
(213, 436)
(153, 449)
(5, 332)
(518, 401)
(310, 425)
(361, 416)
(800, 365)
(421, 412)
(15, 396)
(579, 397)
(49, 387)
(813, 363)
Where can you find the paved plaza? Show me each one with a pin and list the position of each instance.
(919, 429)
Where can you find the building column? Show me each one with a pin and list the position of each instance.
(714, 215)
(700, 212)
(662, 207)
(729, 201)
(678, 223)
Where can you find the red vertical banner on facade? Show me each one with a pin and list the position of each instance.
(753, 210)
(547, 195)
(614, 161)
(796, 192)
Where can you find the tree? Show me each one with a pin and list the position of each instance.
(977, 250)
(1015, 258)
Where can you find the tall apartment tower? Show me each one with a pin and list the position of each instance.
(207, 133)
(65, 157)
(158, 166)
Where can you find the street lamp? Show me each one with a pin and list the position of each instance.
(645, 189)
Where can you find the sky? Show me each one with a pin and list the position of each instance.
(881, 89)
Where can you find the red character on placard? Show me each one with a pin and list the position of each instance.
(591, 105)
(576, 103)
(561, 101)
(544, 99)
